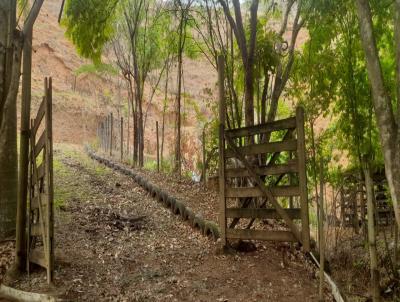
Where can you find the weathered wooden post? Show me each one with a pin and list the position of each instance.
(122, 138)
(158, 148)
(105, 123)
(221, 96)
(128, 129)
(102, 135)
(204, 176)
(24, 151)
(111, 133)
(49, 180)
(321, 234)
(106, 134)
(305, 236)
(369, 185)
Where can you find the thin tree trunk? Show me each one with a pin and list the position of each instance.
(10, 62)
(389, 130)
(371, 235)
(163, 115)
(140, 129)
(128, 129)
(314, 162)
(181, 42)
(321, 234)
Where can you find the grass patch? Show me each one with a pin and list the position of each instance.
(68, 184)
(62, 192)
(101, 170)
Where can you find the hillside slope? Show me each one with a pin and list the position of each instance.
(81, 101)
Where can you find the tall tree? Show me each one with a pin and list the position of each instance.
(135, 27)
(385, 104)
(10, 60)
(247, 47)
(266, 58)
(11, 44)
(183, 14)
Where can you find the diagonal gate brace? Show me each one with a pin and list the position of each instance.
(265, 190)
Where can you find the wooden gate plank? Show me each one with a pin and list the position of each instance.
(288, 123)
(40, 172)
(276, 169)
(40, 144)
(281, 191)
(287, 145)
(38, 257)
(261, 213)
(36, 230)
(39, 117)
(35, 200)
(264, 235)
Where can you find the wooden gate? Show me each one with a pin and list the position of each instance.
(263, 176)
(354, 201)
(40, 245)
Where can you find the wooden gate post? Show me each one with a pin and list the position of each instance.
(222, 202)
(111, 133)
(107, 128)
(158, 148)
(204, 157)
(301, 157)
(24, 153)
(102, 134)
(49, 168)
(122, 138)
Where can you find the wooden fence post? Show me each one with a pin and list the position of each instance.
(321, 234)
(107, 128)
(158, 148)
(122, 138)
(301, 156)
(222, 202)
(369, 185)
(24, 153)
(102, 135)
(111, 133)
(204, 176)
(49, 166)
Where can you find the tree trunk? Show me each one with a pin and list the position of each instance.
(321, 234)
(163, 115)
(140, 126)
(10, 60)
(24, 153)
(127, 129)
(389, 131)
(178, 98)
(371, 235)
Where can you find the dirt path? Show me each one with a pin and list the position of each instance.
(116, 243)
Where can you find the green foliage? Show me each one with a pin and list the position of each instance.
(89, 25)
(150, 165)
(23, 7)
(330, 80)
(194, 105)
(100, 68)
